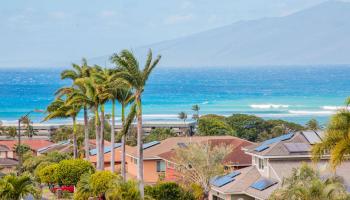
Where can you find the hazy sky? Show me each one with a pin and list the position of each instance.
(57, 32)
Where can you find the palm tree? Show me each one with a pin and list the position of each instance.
(196, 109)
(14, 187)
(313, 124)
(183, 116)
(81, 72)
(305, 183)
(124, 97)
(129, 72)
(336, 141)
(60, 109)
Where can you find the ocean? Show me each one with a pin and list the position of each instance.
(292, 93)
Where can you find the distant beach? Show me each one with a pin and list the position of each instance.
(292, 93)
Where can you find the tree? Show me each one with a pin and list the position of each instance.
(196, 109)
(159, 134)
(198, 163)
(306, 183)
(214, 125)
(182, 116)
(14, 187)
(70, 171)
(60, 109)
(129, 72)
(336, 141)
(313, 124)
(82, 71)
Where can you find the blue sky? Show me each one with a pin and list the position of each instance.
(50, 33)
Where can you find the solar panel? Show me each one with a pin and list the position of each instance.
(263, 184)
(106, 149)
(182, 145)
(297, 147)
(221, 181)
(150, 144)
(264, 145)
(261, 148)
(312, 137)
(233, 174)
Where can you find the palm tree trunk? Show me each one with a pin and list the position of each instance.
(112, 136)
(75, 144)
(140, 146)
(97, 133)
(86, 134)
(102, 141)
(123, 167)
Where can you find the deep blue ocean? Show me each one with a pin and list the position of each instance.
(292, 93)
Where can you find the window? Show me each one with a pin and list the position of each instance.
(261, 164)
(160, 166)
(171, 165)
(134, 160)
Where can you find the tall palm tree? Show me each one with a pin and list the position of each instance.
(82, 71)
(14, 187)
(60, 109)
(183, 116)
(129, 72)
(336, 141)
(124, 97)
(196, 109)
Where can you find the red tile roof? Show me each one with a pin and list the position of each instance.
(33, 144)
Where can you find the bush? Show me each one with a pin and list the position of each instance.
(47, 173)
(31, 162)
(168, 191)
(124, 191)
(101, 182)
(70, 171)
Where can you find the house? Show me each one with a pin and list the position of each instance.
(107, 155)
(158, 160)
(272, 161)
(7, 164)
(34, 145)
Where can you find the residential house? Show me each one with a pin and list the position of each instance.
(272, 161)
(34, 146)
(158, 160)
(7, 164)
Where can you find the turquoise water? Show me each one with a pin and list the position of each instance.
(293, 93)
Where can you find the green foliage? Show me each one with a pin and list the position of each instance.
(21, 149)
(159, 134)
(69, 171)
(14, 187)
(249, 127)
(32, 162)
(124, 191)
(313, 124)
(48, 173)
(168, 191)
(213, 125)
(101, 182)
(83, 190)
(306, 183)
(336, 141)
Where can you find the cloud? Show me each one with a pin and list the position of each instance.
(176, 19)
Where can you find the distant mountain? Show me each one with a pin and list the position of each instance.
(318, 35)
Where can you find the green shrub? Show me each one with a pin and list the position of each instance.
(213, 125)
(102, 181)
(47, 174)
(69, 171)
(168, 191)
(124, 191)
(160, 134)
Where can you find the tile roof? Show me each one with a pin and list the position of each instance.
(4, 148)
(33, 144)
(8, 162)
